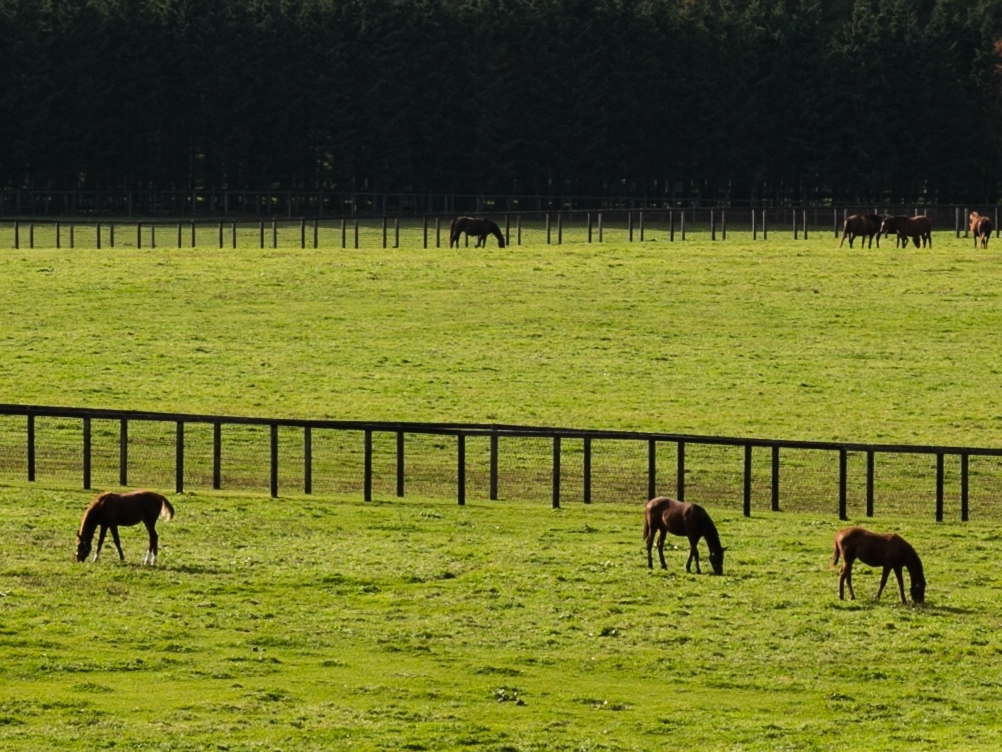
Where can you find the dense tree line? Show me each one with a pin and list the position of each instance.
(724, 99)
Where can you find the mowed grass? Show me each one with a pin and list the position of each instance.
(776, 339)
(325, 623)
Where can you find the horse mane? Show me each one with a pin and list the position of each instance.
(710, 533)
(914, 565)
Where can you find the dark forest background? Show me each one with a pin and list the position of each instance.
(872, 100)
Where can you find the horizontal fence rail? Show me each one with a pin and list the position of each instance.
(522, 228)
(201, 203)
(115, 447)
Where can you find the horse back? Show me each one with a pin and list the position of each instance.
(873, 549)
(129, 508)
(665, 513)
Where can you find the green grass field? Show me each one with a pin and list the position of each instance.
(327, 623)
(323, 624)
(777, 339)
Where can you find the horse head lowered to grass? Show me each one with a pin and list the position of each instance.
(110, 510)
(479, 227)
(663, 515)
(892, 552)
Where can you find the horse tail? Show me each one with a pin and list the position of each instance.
(166, 510)
(835, 558)
(845, 231)
(454, 232)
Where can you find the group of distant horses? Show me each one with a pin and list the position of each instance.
(917, 229)
(664, 515)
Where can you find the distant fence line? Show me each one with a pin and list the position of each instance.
(195, 203)
(433, 231)
(489, 461)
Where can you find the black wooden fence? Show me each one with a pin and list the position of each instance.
(540, 227)
(130, 448)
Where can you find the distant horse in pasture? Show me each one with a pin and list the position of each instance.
(873, 549)
(866, 226)
(982, 229)
(663, 515)
(110, 510)
(479, 227)
(917, 228)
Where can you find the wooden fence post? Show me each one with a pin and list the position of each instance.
(556, 472)
(123, 452)
(775, 479)
(367, 483)
(843, 475)
(179, 458)
(461, 468)
(747, 481)
(652, 468)
(869, 482)
(274, 459)
(217, 455)
(86, 452)
(31, 447)
(400, 463)
(494, 467)
(307, 459)
(680, 471)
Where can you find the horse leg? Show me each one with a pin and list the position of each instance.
(100, 542)
(649, 544)
(118, 543)
(661, 547)
(693, 556)
(883, 581)
(151, 552)
(901, 585)
(845, 579)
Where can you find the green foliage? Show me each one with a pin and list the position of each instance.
(781, 99)
(321, 623)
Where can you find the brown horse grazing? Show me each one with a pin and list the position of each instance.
(866, 226)
(480, 227)
(663, 515)
(109, 510)
(876, 550)
(917, 228)
(982, 229)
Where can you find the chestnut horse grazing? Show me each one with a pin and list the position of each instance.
(982, 229)
(864, 226)
(477, 226)
(876, 550)
(917, 228)
(663, 515)
(109, 510)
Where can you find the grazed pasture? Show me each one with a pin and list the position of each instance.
(325, 622)
(778, 338)
(335, 624)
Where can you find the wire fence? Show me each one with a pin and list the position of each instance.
(106, 448)
(432, 231)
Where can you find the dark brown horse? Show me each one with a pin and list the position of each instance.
(866, 226)
(663, 515)
(479, 227)
(873, 549)
(110, 510)
(982, 229)
(917, 228)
